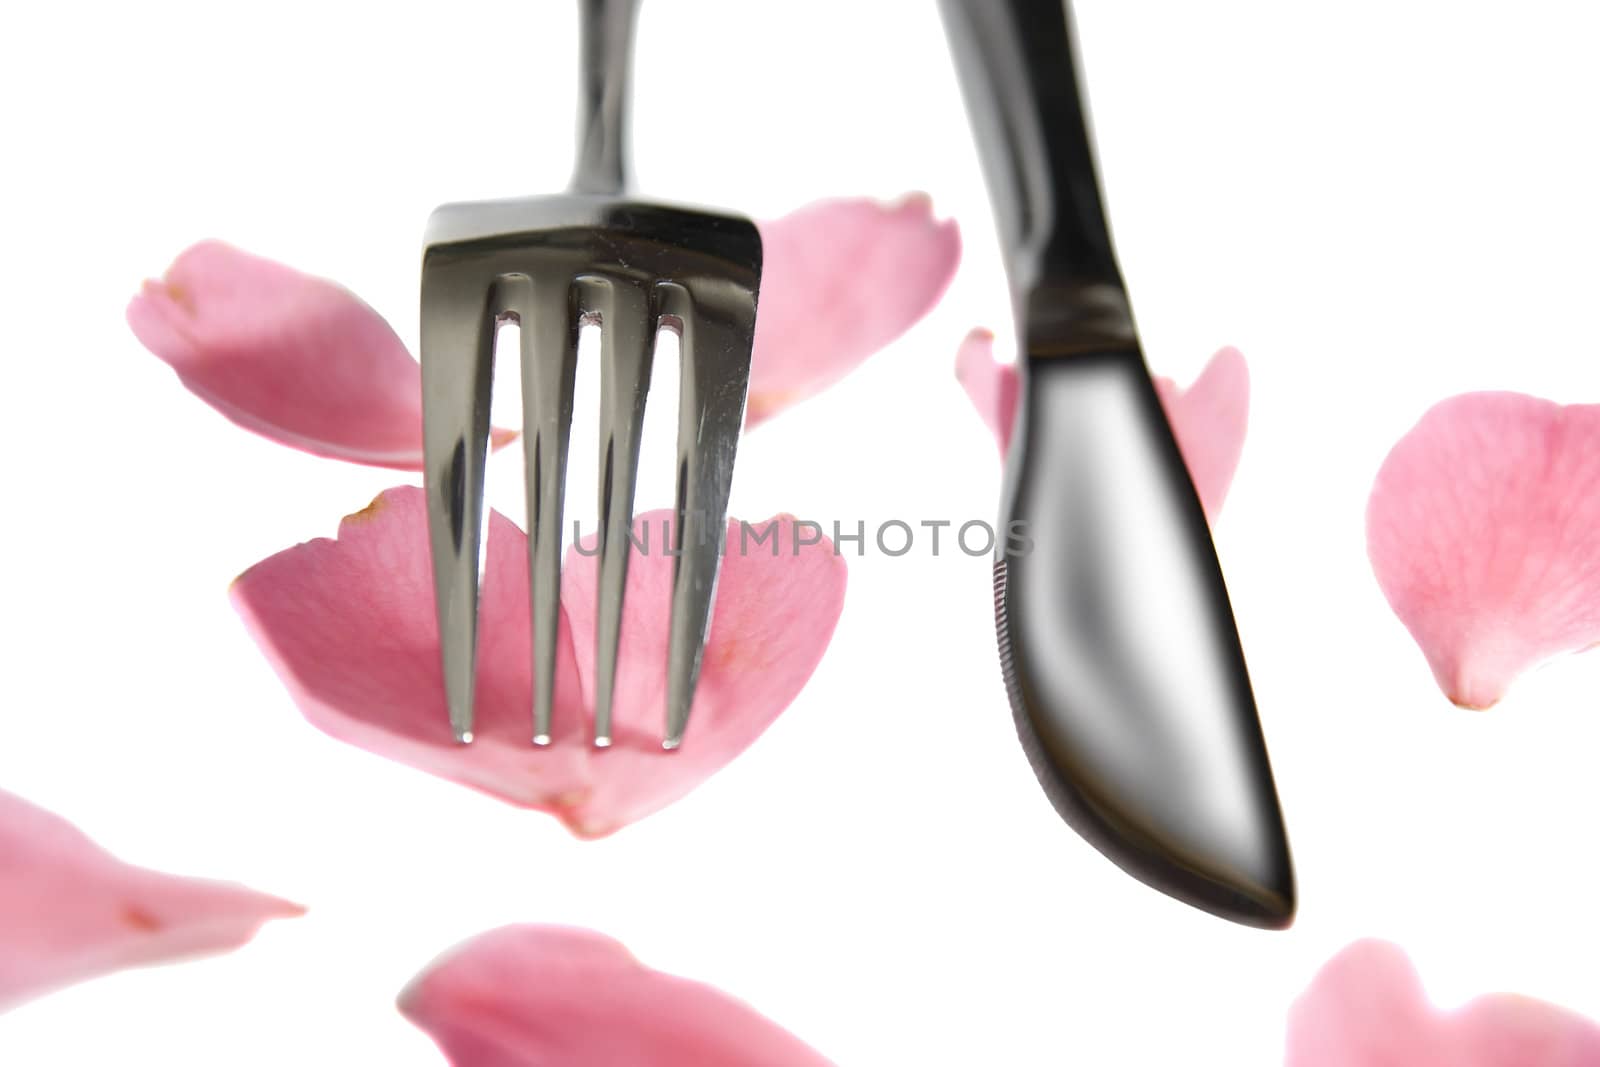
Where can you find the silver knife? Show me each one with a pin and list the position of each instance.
(1117, 641)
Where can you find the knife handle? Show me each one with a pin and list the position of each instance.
(1019, 78)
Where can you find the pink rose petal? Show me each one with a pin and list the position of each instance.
(775, 613)
(1366, 1008)
(349, 626)
(1481, 528)
(1208, 419)
(546, 996)
(295, 358)
(70, 911)
(841, 279)
(303, 361)
(992, 386)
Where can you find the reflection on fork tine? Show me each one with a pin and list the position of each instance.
(457, 360)
(715, 372)
(627, 341)
(547, 312)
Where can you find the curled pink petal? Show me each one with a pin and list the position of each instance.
(547, 996)
(1208, 419)
(779, 596)
(1366, 1008)
(295, 358)
(70, 911)
(1481, 531)
(349, 626)
(841, 279)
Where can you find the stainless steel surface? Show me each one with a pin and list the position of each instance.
(1117, 640)
(551, 264)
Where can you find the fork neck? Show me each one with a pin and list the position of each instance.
(605, 53)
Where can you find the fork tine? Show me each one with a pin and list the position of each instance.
(457, 359)
(549, 329)
(715, 372)
(626, 351)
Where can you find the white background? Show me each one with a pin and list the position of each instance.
(1381, 204)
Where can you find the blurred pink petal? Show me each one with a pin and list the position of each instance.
(70, 911)
(547, 996)
(1208, 419)
(349, 626)
(1366, 1008)
(295, 358)
(1481, 529)
(992, 386)
(305, 362)
(842, 279)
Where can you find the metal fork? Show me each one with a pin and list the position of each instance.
(552, 264)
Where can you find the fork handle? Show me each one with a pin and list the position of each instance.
(1018, 76)
(605, 53)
